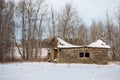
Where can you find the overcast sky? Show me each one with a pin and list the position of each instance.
(89, 9)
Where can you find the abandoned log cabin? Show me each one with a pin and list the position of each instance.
(63, 52)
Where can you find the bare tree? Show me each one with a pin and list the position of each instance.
(116, 35)
(7, 28)
(111, 35)
(53, 21)
(67, 24)
(32, 18)
(1, 29)
(23, 15)
(65, 19)
(96, 30)
(82, 30)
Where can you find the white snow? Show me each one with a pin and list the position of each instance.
(99, 44)
(50, 71)
(64, 44)
(44, 53)
(16, 53)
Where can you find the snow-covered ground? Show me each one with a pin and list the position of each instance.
(50, 71)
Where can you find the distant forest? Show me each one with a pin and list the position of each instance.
(37, 23)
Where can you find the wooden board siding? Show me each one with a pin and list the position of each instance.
(71, 55)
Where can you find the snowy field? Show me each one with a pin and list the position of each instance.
(49, 71)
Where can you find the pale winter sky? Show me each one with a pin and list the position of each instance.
(89, 9)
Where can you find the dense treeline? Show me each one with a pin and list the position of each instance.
(35, 20)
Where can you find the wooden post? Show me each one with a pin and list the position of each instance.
(58, 56)
(52, 56)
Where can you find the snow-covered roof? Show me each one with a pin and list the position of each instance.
(64, 44)
(99, 44)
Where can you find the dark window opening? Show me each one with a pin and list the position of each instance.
(81, 54)
(87, 54)
(55, 50)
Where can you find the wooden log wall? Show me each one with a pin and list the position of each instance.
(71, 55)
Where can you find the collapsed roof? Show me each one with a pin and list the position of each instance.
(98, 44)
